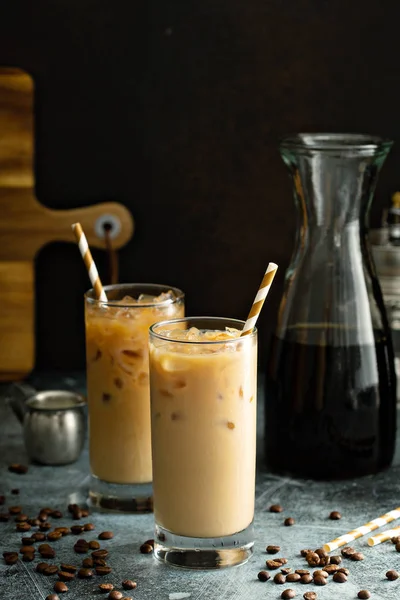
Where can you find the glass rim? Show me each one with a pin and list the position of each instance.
(200, 342)
(335, 141)
(178, 295)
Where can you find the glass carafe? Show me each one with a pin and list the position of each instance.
(331, 385)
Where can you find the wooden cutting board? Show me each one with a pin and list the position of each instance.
(26, 225)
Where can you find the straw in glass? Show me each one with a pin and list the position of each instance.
(259, 299)
(89, 262)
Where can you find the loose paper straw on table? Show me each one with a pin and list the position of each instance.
(363, 530)
(259, 299)
(383, 537)
(89, 262)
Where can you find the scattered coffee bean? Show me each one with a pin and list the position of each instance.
(84, 573)
(77, 529)
(392, 575)
(4, 517)
(21, 518)
(313, 559)
(321, 552)
(336, 559)
(103, 570)
(114, 595)
(56, 514)
(60, 587)
(10, 558)
(286, 570)
(146, 548)
(103, 553)
(77, 514)
(40, 567)
(89, 527)
(276, 508)
(293, 577)
(29, 557)
(273, 549)
(151, 542)
(344, 570)
(68, 568)
(18, 469)
(339, 577)
(335, 515)
(273, 564)
(94, 545)
(28, 541)
(128, 584)
(34, 522)
(306, 579)
(305, 551)
(279, 579)
(43, 516)
(26, 550)
(357, 556)
(72, 507)
(45, 526)
(105, 587)
(302, 572)
(320, 573)
(54, 536)
(286, 594)
(63, 530)
(310, 596)
(289, 522)
(38, 536)
(23, 527)
(397, 547)
(105, 535)
(50, 553)
(52, 597)
(331, 569)
(50, 570)
(81, 549)
(364, 594)
(44, 547)
(262, 576)
(98, 562)
(347, 551)
(88, 563)
(66, 576)
(85, 512)
(395, 539)
(319, 580)
(15, 510)
(324, 560)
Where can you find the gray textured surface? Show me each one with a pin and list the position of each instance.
(308, 502)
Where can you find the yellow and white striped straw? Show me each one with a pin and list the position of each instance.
(259, 299)
(89, 262)
(363, 530)
(383, 537)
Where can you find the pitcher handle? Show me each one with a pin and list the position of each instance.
(17, 394)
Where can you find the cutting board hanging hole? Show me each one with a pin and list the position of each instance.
(108, 222)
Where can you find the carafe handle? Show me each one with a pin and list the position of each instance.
(17, 395)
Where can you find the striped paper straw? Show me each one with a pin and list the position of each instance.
(259, 299)
(89, 262)
(363, 530)
(383, 537)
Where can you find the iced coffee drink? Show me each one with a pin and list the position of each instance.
(118, 382)
(203, 381)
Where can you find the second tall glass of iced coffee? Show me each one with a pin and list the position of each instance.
(118, 391)
(203, 381)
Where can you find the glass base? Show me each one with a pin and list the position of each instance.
(203, 553)
(116, 497)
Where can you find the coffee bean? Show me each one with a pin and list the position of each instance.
(43, 516)
(56, 514)
(105, 587)
(94, 545)
(302, 572)
(88, 563)
(335, 515)
(324, 560)
(347, 551)
(357, 556)
(395, 539)
(28, 557)
(80, 549)
(283, 561)
(105, 535)
(103, 570)
(4, 517)
(279, 579)
(52, 597)
(50, 570)
(262, 576)
(23, 527)
(321, 552)
(18, 469)
(336, 559)
(276, 508)
(286, 570)
(114, 595)
(286, 594)
(289, 522)
(38, 536)
(99, 562)
(15, 510)
(28, 541)
(103, 553)
(364, 594)
(273, 549)
(77, 529)
(273, 564)
(7, 554)
(146, 549)
(34, 522)
(397, 547)
(85, 573)
(344, 570)
(66, 576)
(77, 514)
(40, 567)
(82, 542)
(50, 553)
(85, 513)
(72, 507)
(313, 559)
(151, 542)
(89, 527)
(310, 596)
(305, 551)
(128, 584)
(392, 575)
(21, 518)
(307, 578)
(60, 587)
(26, 550)
(331, 569)
(54, 536)
(319, 580)
(293, 577)
(45, 526)
(63, 530)
(339, 577)
(320, 573)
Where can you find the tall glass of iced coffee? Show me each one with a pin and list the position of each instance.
(203, 384)
(118, 391)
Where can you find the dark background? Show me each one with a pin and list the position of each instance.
(174, 108)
